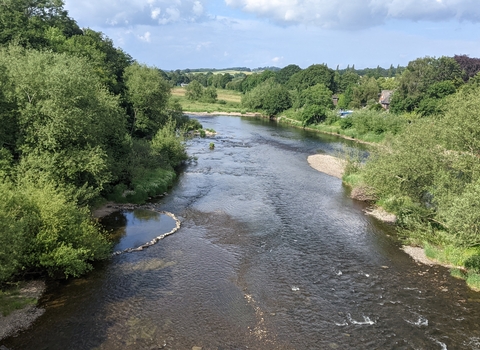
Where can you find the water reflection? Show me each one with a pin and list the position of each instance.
(130, 229)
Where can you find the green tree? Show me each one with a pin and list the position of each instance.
(148, 94)
(209, 95)
(347, 79)
(313, 114)
(317, 95)
(269, 96)
(68, 123)
(42, 230)
(284, 74)
(419, 75)
(313, 75)
(194, 91)
(24, 22)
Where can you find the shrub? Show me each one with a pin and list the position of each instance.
(41, 230)
(473, 263)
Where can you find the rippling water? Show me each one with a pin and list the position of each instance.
(271, 255)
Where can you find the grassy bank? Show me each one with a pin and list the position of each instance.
(12, 298)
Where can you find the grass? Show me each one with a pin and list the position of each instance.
(473, 281)
(226, 95)
(449, 254)
(352, 180)
(228, 101)
(148, 183)
(458, 257)
(290, 118)
(11, 300)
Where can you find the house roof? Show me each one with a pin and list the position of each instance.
(385, 96)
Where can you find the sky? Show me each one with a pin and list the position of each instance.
(181, 34)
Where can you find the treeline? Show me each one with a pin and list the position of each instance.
(79, 120)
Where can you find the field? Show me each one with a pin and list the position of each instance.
(227, 101)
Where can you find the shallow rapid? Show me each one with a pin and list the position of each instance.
(271, 254)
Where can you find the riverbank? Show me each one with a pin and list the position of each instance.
(297, 124)
(21, 319)
(234, 114)
(334, 166)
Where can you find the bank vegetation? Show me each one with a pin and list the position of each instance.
(81, 122)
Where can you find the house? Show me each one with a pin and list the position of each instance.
(335, 100)
(385, 97)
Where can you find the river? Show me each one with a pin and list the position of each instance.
(271, 255)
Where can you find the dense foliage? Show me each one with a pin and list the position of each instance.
(430, 174)
(79, 120)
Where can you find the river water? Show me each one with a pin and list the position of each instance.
(271, 255)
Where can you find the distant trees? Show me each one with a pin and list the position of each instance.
(313, 75)
(469, 66)
(284, 74)
(196, 92)
(269, 96)
(419, 75)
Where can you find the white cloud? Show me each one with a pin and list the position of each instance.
(155, 13)
(146, 37)
(277, 59)
(355, 14)
(203, 45)
(135, 12)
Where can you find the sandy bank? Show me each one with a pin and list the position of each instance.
(335, 167)
(327, 164)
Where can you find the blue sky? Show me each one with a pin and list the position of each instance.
(179, 34)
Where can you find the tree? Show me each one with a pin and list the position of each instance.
(68, 123)
(347, 79)
(25, 21)
(194, 91)
(284, 74)
(313, 75)
(419, 75)
(252, 80)
(209, 95)
(470, 66)
(269, 96)
(108, 61)
(317, 95)
(313, 114)
(148, 94)
(370, 90)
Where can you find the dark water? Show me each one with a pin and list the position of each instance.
(131, 229)
(271, 255)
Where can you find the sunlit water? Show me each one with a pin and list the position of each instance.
(271, 255)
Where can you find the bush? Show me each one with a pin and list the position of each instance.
(473, 263)
(41, 230)
(313, 114)
(209, 95)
